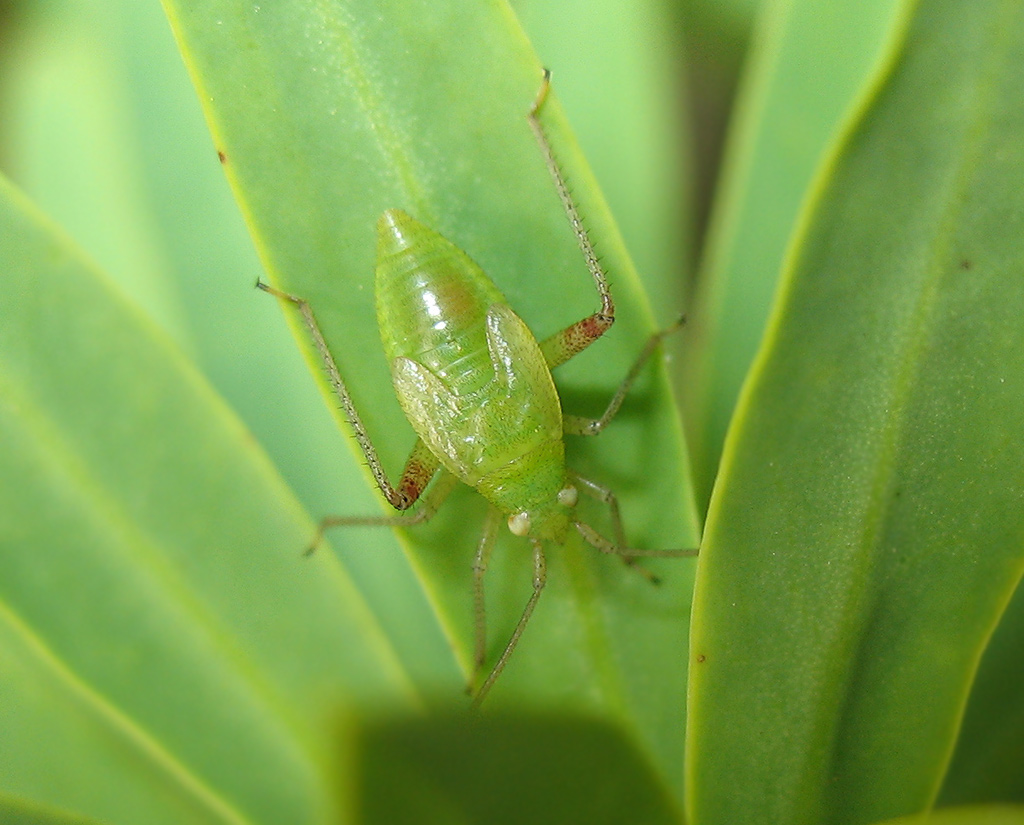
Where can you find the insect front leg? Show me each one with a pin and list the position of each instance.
(618, 547)
(540, 576)
(599, 542)
(579, 425)
(605, 496)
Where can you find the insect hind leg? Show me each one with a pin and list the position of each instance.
(572, 340)
(579, 425)
(421, 464)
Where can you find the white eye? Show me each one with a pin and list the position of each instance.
(568, 496)
(519, 524)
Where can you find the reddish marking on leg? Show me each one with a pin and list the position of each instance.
(596, 325)
(414, 479)
(583, 333)
(574, 339)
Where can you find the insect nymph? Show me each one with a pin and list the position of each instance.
(477, 388)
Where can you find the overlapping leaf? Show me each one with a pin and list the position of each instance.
(324, 118)
(867, 532)
(159, 634)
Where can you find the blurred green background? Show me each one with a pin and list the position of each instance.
(830, 191)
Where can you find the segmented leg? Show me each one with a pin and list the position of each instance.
(539, 578)
(572, 340)
(605, 496)
(421, 464)
(579, 425)
(599, 542)
(480, 562)
(619, 548)
(428, 508)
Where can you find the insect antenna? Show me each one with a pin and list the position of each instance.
(539, 579)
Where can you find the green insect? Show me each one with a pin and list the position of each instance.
(477, 388)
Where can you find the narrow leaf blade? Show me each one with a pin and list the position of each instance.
(868, 527)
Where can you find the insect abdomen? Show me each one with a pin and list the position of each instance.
(432, 303)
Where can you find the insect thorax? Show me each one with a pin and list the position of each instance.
(530, 484)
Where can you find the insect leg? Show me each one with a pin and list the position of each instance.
(480, 562)
(599, 542)
(563, 345)
(427, 510)
(539, 578)
(617, 547)
(421, 465)
(606, 496)
(578, 425)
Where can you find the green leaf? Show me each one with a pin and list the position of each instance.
(867, 530)
(159, 638)
(731, 16)
(325, 117)
(980, 815)
(808, 70)
(120, 56)
(15, 811)
(618, 71)
(536, 768)
(69, 140)
(989, 759)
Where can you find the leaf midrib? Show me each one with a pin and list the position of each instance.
(863, 605)
(122, 724)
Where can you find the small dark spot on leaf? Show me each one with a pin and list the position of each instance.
(701, 658)
(221, 156)
(965, 264)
